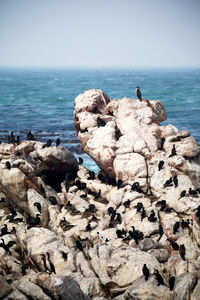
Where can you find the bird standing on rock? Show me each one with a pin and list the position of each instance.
(138, 93)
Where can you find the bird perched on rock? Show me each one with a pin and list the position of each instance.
(138, 93)
(145, 271)
(57, 142)
(48, 144)
(7, 246)
(8, 165)
(30, 136)
(171, 283)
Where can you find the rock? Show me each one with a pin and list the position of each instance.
(5, 289)
(184, 285)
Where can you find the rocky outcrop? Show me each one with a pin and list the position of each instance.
(66, 232)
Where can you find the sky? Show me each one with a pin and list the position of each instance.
(100, 33)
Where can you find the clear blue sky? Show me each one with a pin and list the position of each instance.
(100, 33)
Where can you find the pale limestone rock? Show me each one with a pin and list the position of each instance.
(184, 285)
(5, 289)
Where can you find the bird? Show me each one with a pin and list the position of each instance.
(175, 246)
(152, 217)
(38, 205)
(100, 122)
(111, 181)
(119, 183)
(182, 251)
(80, 160)
(143, 213)
(57, 142)
(117, 134)
(88, 227)
(30, 136)
(183, 193)
(160, 165)
(4, 230)
(43, 257)
(48, 144)
(192, 192)
(95, 110)
(110, 210)
(53, 200)
(91, 175)
(135, 187)
(33, 220)
(8, 165)
(6, 247)
(138, 93)
(175, 180)
(171, 283)
(79, 245)
(176, 227)
(127, 203)
(173, 151)
(110, 113)
(185, 224)
(159, 278)
(162, 141)
(168, 182)
(97, 195)
(139, 206)
(51, 264)
(145, 271)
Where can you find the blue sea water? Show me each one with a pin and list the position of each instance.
(42, 100)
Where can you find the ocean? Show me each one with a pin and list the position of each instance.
(42, 100)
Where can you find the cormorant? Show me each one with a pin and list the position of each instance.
(176, 227)
(30, 136)
(6, 247)
(162, 141)
(138, 93)
(171, 283)
(53, 200)
(80, 160)
(57, 142)
(159, 278)
(48, 144)
(79, 245)
(183, 193)
(38, 205)
(182, 251)
(119, 183)
(145, 271)
(175, 246)
(127, 203)
(8, 165)
(160, 165)
(175, 179)
(173, 151)
(100, 122)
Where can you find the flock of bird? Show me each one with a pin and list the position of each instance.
(115, 217)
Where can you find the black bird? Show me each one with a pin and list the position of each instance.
(160, 231)
(6, 247)
(110, 210)
(91, 208)
(117, 134)
(110, 113)
(83, 196)
(111, 181)
(84, 130)
(48, 144)
(175, 179)
(101, 177)
(18, 153)
(113, 214)
(171, 283)
(57, 142)
(159, 278)
(160, 165)
(162, 141)
(4, 230)
(79, 245)
(176, 227)
(51, 264)
(183, 193)
(139, 206)
(88, 227)
(13, 214)
(100, 122)
(38, 205)
(173, 152)
(152, 217)
(127, 203)
(185, 224)
(192, 192)
(64, 255)
(43, 257)
(161, 203)
(175, 246)
(168, 182)
(182, 251)
(120, 233)
(119, 183)
(80, 160)
(143, 213)
(53, 200)
(30, 136)
(145, 271)
(12, 137)
(32, 221)
(118, 218)
(168, 209)
(135, 187)
(138, 93)
(91, 175)
(8, 165)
